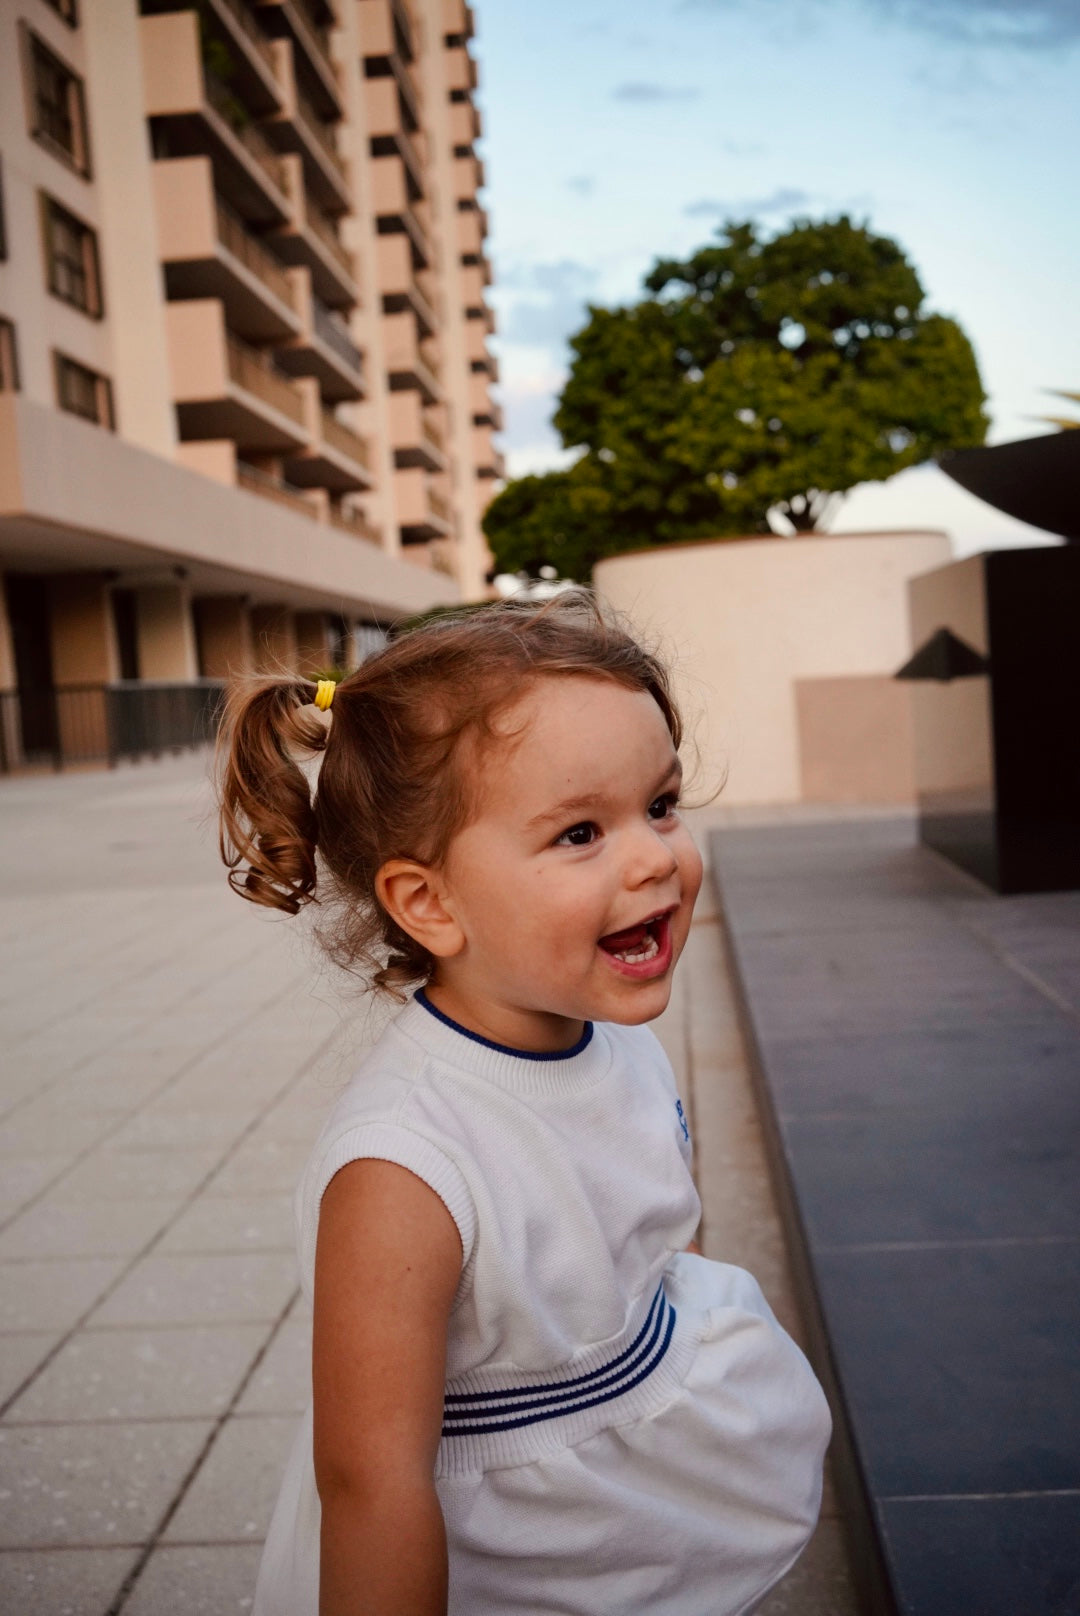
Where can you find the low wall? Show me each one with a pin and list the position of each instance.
(785, 648)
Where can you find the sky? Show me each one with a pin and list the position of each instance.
(620, 131)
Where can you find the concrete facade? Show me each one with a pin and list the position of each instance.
(242, 272)
(786, 650)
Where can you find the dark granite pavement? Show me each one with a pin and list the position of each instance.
(918, 1049)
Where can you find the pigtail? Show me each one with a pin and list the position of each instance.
(267, 819)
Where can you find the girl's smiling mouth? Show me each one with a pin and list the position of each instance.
(643, 950)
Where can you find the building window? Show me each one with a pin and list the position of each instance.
(72, 257)
(9, 358)
(68, 9)
(58, 107)
(81, 391)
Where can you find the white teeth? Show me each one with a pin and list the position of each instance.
(650, 951)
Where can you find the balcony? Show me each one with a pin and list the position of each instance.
(487, 459)
(407, 364)
(482, 407)
(468, 178)
(393, 75)
(401, 286)
(253, 73)
(301, 128)
(264, 483)
(422, 513)
(335, 457)
(208, 252)
(416, 440)
(193, 114)
(461, 71)
(323, 348)
(353, 520)
(476, 349)
(225, 388)
(308, 27)
(471, 231)
(465, 123)
(457, 18)
(310, 239)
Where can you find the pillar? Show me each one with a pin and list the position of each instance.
(313, 653)
(275, 639)
(165, 634)
(224, 636)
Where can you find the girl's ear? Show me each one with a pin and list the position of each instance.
(412, 895)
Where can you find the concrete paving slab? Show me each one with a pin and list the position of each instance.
(92, 1485)
(215, 1580)
(85, 1228)
(211, 1288)
(53, 1295)
(233, 1496)
(282, 1382)
(254, 1223)
(63, 1582)
(141, 1374)
(20, 1355)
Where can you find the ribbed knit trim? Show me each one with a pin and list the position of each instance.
(505, 1049)
(562, 1073)
(390, 1141)
(643, 1369)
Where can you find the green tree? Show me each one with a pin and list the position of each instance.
(755, 375)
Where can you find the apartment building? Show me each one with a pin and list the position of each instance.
(245, 406)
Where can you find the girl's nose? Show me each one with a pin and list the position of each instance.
(652, 858)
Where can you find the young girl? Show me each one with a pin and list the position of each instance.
(529, 1396)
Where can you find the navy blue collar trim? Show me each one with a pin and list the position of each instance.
(507, 1049)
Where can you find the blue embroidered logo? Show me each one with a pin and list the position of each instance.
(682, 1121)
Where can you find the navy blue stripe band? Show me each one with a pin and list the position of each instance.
(506, 1049)
(478, 1403)
(590, 1402)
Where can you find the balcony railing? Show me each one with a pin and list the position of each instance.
(320, 224)
(257, 481)
(238, 240)
(342, 438)
(320, 131)
(440, 506)
(242, 15)
(226, 105)
(106, 722)
(332, 331)
(252, 371)
(432, 435)
(354, 522)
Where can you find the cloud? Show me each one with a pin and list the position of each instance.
(581, 184)
(1018, 24)
(550, 303)
(786, 199)
(644, 92)
(1028, 24)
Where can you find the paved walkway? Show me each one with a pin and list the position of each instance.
(170, 1053)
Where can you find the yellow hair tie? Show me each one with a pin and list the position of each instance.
(324, 694)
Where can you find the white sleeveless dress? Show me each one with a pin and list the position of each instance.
(627, 1428)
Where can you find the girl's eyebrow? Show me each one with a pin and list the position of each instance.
(595, 799)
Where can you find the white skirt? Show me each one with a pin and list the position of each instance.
(677, 1470)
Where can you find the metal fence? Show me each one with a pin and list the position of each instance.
(103, 723)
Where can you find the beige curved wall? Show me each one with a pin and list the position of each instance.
(773, 636)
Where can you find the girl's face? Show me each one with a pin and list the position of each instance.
(574, 884)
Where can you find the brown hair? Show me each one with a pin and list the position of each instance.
(391, 784)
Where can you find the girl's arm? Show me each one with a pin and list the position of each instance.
(387, 1264)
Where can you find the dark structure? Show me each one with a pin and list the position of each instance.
(996, 692)
(916, 1043)
(1037, 480)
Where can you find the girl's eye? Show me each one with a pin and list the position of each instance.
(662, 806)
(577, 836)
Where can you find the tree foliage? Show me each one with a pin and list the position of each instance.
(755, 376)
